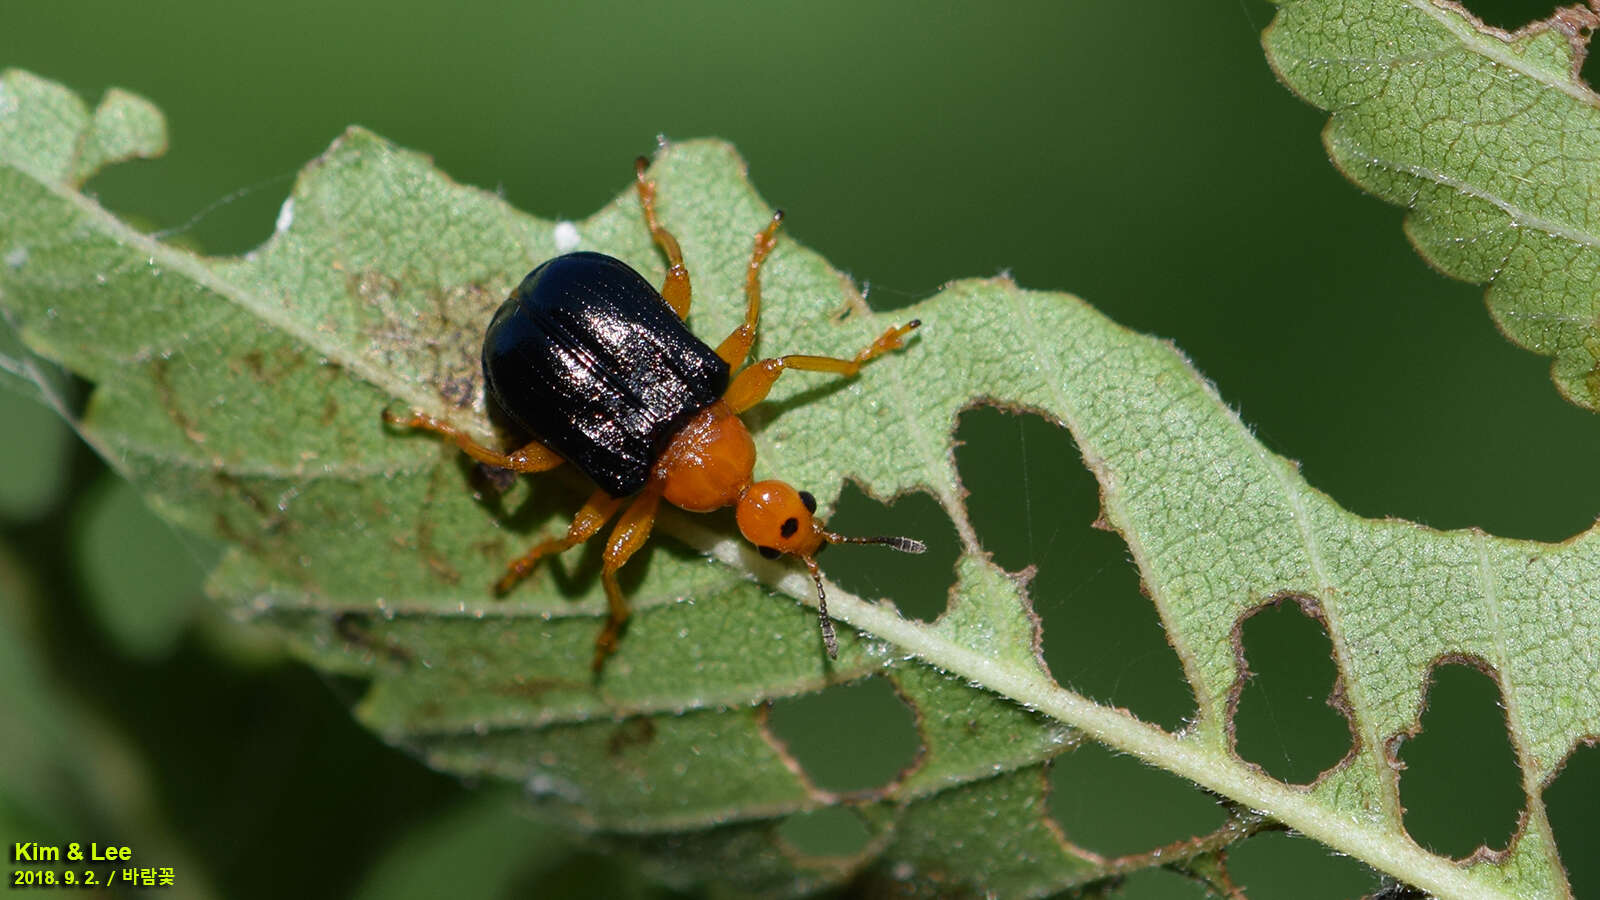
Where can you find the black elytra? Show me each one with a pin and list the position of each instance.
(587, 357)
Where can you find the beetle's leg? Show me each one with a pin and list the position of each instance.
(736, 347)
(675, 290)
(585, 524)
(535, 457)
(632, 530)
(752, 383)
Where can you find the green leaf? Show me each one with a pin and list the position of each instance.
(242, 396)
(1491, 141)
(477, 850)
(140, 580)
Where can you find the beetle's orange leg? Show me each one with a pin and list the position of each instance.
(535, 457)
(753, 383)
(736, 346)
(675, 290)
(600, 507)
(632, 530)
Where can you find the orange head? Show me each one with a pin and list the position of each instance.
(779, 520)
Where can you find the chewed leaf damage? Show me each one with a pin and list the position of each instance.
(242, 397)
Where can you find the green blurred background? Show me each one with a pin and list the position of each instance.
(1140, 155)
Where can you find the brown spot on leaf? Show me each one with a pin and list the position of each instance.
(457, 391)
(355, 629)
(225, 530)
(160, 374)
(492, 549)
(373, 287)
(536, 688)
(435, 560)
(263, 518)
(269, 368)
(434, 334)
(636, 732)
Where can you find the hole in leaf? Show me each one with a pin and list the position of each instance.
(1573, 803)
(918, 584)
(848, 737)
(1510, 15)
(1116, 805)
(1284, 723)
(1274, 864)
(1160, 884)
(1460, 784)
(1031, 503)
(831, 831)
(1590, 72)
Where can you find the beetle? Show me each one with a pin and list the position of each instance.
(598, 367)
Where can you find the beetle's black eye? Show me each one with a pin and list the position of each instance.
(769, 552)
(789, 527)
(809, 501)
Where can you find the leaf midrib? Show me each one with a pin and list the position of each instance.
(1457, 21)
(1375, 839)
(1519, 217)
(1386, 848)
(268, 313)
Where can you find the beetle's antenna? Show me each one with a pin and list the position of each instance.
(828, 638)
(903, 544)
